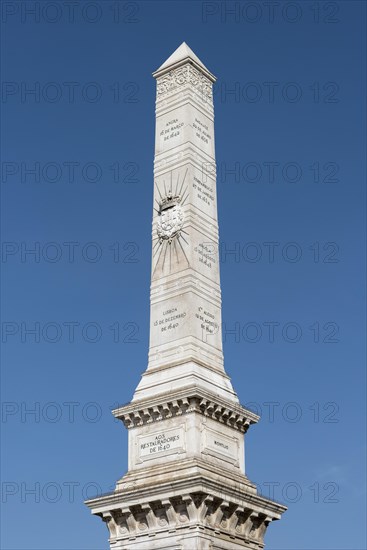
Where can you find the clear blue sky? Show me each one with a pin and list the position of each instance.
(293, 131)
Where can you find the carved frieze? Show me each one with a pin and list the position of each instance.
(175, 79)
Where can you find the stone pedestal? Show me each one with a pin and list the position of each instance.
(186, 486)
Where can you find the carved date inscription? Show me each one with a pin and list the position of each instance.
(151, 445)
(201, 130)
(204, 191)
(170, 319)
(172, 129)
(206, 253)
(207, 320)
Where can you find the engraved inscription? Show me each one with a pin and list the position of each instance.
(207, 321)
(172, 129)
(170, 319)
(201, 131)
(204, 191)
(219, 443)
(206, 254)
(154, 444)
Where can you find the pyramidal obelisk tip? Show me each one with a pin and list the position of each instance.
(183, 54)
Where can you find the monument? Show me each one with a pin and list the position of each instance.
(186, 486)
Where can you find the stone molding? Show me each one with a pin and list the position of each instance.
(187, 95)
(217, 516)
(184, 282)
(230, 414)
(183, 155)
(185, 350)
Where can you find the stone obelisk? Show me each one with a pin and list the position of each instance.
(186, 486)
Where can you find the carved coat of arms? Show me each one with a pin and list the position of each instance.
(170, 218)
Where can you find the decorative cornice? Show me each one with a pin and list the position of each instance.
(216, 516)
(156, 410)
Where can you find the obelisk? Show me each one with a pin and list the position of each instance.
(186, 486)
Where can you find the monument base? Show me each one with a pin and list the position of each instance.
(186, 486)
(187, 508)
